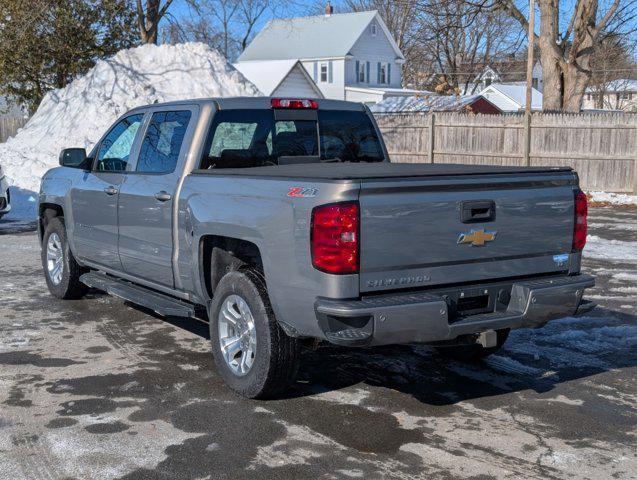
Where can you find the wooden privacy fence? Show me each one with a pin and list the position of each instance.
(9, 126)
(602, 148)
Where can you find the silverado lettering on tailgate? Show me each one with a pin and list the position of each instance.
(392, 282)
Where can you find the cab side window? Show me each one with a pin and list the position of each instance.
(115, 149)
(162, 143)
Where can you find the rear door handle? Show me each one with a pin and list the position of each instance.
(111, 190)
(163, 196)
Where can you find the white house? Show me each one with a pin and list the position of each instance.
(350, 56)
(282, 78)
(618, 94)
(511, 97)
(512, 72)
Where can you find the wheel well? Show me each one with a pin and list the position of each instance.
(48, 211)
(220, 255)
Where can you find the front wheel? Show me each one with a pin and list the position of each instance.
(473, 352)
(61, 270)
(254, 356)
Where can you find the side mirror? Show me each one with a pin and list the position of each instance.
(73, 157)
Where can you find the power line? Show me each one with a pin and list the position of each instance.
(517, 72)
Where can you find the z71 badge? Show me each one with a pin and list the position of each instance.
(302, 192)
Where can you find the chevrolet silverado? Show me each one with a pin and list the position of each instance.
(282, 222)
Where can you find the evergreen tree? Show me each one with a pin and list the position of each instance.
(45, 44)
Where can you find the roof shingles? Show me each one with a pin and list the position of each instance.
(308, 37)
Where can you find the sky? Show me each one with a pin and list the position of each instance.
(179, 8)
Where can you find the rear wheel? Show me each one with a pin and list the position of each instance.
(61, 270)
(254, 356)
(473, 352)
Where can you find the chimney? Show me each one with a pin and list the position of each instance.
(329, 10)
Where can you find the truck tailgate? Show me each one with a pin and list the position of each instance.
(455, 229)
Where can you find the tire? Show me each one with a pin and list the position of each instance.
(64, 284)
(274, 356)
(473, 352)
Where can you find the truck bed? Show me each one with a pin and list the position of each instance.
(364, 171)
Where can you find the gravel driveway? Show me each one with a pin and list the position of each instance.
(99, 389)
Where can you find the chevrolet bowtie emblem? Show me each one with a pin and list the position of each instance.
(477, 238)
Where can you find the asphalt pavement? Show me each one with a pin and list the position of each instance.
(100, 389)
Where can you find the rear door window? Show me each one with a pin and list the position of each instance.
(239, 138)
(162, 142)
(232, 135)
(115, 149)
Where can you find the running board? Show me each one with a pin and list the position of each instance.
(144, 297)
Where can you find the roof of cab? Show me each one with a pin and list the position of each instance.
(251, 103)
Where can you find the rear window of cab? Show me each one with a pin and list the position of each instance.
(255, 138)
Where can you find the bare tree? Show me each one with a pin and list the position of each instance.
(466, 37)
(446, 43)
(251, 11)
(565, 53)
(148, 18)
(228, 25)
(613, 72)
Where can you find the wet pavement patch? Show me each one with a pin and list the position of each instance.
(28, 358)
(107, 428)
(97, 349)
(61, 422)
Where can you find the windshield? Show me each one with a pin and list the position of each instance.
(254, 138)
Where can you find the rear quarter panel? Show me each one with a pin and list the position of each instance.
(258, 210)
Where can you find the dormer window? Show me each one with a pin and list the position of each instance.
(373, 29)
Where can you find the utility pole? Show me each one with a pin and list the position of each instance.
(529, 84)
(529, 57)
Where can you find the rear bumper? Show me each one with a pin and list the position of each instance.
(424, 317)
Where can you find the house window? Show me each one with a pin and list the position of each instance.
(362, 72)
(323, 72)
(624, 95)
(373, 29)
(382, 74)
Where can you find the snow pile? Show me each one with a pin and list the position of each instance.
(78, 115)
(612, 198)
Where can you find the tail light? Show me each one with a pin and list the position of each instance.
(335, 238)
(581, 212)
(294, 103)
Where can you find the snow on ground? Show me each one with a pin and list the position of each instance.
(611, 249)
(612, 198)
(78, 115)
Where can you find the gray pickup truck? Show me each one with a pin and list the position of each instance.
(283, 223)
